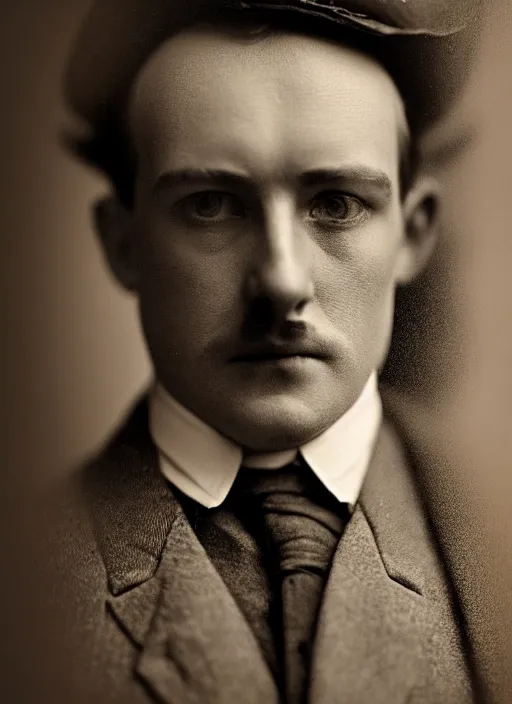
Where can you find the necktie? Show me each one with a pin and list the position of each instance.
(303, 523)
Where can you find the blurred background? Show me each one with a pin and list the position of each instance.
(72, 354)
(73, 351)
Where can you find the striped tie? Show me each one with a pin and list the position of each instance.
(303, 523)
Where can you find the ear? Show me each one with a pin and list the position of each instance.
(420, 221)
(114, 225)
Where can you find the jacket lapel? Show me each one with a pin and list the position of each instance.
(463, 509)
(386, 629)
(193, 643)
(199, 648)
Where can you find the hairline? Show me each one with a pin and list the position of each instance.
(248, 29)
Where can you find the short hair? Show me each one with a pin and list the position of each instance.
(109, 147)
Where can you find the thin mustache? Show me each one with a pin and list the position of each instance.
(263, 320)
(307, 345)
(284, 334)
(262, 333)
(290, 329)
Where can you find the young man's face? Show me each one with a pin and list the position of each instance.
(267, 235)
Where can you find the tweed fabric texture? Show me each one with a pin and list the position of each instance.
(234, 544)
(390, 628)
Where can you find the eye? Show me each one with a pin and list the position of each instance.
(337, 208)
(211, 206)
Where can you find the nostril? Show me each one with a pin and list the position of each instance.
(299, 308)
(260, 318)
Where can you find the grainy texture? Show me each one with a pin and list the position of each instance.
(388, 630)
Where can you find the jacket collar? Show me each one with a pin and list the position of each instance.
(159, 575)
(132, 532)
(390, 598)
(133, 507)
(387, 587)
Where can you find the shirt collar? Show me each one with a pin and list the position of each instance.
(203, 464)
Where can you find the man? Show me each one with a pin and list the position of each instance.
(255, 532)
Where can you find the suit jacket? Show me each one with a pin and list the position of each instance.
(151, 619)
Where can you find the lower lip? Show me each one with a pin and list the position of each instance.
(285, 362)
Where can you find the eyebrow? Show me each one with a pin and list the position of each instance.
(360, 173)
(180, 177)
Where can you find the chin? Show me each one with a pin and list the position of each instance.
(274, 427)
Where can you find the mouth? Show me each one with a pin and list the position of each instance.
(273, 357)
(275, 354)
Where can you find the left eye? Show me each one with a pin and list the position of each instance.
(211, 206)
(335, 207)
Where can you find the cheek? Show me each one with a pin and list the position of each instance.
(356, 287)
(184, 295)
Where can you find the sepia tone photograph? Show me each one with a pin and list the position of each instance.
(257, 352)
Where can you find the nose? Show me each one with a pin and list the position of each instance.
(280, 271)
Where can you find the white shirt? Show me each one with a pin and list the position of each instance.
(203, 464)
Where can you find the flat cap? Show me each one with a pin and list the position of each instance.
(426, 45)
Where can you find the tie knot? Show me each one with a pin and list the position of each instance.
(302, 519)
(292, 478)
(292, 483)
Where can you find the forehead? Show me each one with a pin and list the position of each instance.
(208, 98)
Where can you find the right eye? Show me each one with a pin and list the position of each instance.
(211, 207)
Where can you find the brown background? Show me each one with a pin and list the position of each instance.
(73, 351)
(72, 356)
